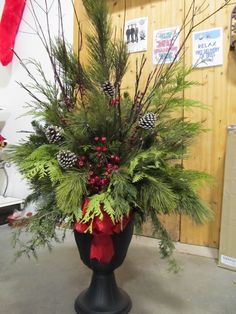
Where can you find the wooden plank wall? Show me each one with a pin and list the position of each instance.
(217, 91)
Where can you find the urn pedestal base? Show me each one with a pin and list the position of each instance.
(103, 296)
(103, 293)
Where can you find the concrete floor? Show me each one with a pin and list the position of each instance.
(50, 284)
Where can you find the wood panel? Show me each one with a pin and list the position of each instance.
(156, 19)
(217, 91)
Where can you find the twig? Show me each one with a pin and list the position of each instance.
(47, 48)
(25, 68)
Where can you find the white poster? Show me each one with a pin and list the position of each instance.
(208, 48)
(165, 45)
(136, 34)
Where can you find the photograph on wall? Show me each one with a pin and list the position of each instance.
(136, 34)
(166, 44)
(208, 48)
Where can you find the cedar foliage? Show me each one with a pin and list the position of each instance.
(149, 178)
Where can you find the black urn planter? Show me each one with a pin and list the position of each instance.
(103, 295)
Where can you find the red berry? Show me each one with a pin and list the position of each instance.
(92, 181)
(99, 166)
(116, 167)
(96, 139)
(99, 155)
(91, 173)
(83, 158)
(98, 148)
(81, 163)
(103, 139)
(112, 157)
(104, 182)
(106, 173)
(104, 149)
(97, 179)
(113, 102)
(117, 159)
(109, 166)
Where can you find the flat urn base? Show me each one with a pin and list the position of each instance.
(103, 297)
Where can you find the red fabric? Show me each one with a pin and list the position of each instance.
(102, 247)
(10, 22)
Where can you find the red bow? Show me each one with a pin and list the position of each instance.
(102, 247)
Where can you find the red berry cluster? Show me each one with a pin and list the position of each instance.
(101, 149)
(115, 102)
(81, 161)
(102, 167)
(96, 181)
(100, 164)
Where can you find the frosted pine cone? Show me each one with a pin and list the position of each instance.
(147, 122)
(108, 89)
(66, 159)
(53, 134)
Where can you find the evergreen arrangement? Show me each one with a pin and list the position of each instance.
(93, 140)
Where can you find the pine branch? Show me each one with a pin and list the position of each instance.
(70, 193)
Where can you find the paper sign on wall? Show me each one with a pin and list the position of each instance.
(136, 34)
(165, 45)
(208, 48)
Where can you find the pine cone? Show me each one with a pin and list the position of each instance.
(108, 89)
(147, 122)
(53, 134)
(66, 102)
(66, 159)
(69, 104)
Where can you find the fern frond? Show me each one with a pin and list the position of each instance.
(98, 203)
(146, 158)
(166, 244)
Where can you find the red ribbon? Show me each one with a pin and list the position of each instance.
(11, 18)
(102, 248)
